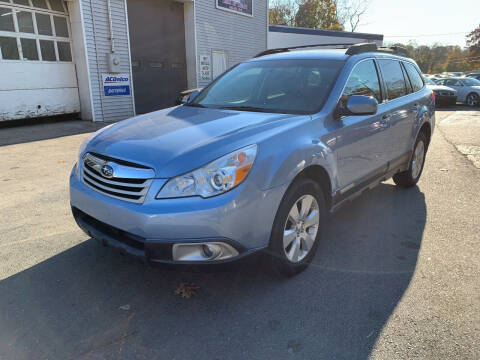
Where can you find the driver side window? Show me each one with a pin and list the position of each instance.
(363, 80)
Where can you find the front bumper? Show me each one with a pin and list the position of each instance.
(242, 218)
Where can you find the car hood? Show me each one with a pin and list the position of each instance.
(441, 87)
(177, 140)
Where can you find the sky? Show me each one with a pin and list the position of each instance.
(424, 21)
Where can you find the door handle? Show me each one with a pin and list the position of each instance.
(386, 117)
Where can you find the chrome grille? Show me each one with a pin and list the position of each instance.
(113, 178)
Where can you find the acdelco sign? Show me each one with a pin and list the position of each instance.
(116, 85)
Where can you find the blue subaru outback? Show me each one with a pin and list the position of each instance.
(257, 159)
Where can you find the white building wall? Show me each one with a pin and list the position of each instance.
(80, 58)
(242, 37)
(96, 27)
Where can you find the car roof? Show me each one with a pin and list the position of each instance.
(324, 54)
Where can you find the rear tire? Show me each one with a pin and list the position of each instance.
(411, 176)
(298, 228)
(473, 100)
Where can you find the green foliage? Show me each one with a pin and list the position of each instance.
(317, 14)
(473, 41)
(439, 58)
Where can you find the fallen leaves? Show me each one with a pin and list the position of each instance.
(186, 290)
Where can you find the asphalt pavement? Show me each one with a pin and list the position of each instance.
(397, 277)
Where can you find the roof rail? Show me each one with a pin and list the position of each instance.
(352, 49)
(361, 48)
(287, 49)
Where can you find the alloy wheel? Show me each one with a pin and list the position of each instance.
(301, 228)
(418, 157)
(472, 100)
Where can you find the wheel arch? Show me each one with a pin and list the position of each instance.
(320, 175)
(472, 93)
(426, 128)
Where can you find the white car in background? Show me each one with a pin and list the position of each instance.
(468, 89)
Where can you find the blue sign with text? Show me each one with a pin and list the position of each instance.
(116, 84)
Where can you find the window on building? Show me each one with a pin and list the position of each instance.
(61, 28)
(44, 24)
(57, 5)
(25, 22)
(21, 2)
(29, 49)
(394, 80)
(42, 4)
(47, 48)
(414, 76)
(363, 81)
(64, 52)
(6, 20)
(37, 35)
(8, 47)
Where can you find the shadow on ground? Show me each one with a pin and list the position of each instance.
(44, 131)
(69, 306)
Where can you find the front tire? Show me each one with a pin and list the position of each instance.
(298, 228)
(411, 176)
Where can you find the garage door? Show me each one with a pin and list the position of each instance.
(157, 42)
(36, 61)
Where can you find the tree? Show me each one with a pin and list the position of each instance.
(473, 43)
(317, 14)
(350, 12)
(282, 12)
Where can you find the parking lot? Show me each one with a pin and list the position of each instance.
(398, 276)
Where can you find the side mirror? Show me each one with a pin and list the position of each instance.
(358, 105)
(187, 96)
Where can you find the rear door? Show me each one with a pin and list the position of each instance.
(399, 108)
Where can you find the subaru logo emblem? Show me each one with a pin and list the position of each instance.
(107, 171)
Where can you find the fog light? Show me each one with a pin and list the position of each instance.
(212, 251)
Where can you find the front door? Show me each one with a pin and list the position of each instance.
(157, 44)
(359, 142)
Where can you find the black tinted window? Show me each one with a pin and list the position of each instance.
(414, 76)
(392, 73)
(363, 81)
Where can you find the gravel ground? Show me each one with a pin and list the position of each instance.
(398, 276)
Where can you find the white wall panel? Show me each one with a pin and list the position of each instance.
(242, 37)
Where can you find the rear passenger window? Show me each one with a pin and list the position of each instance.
(414, 76)
(394, 80)
(362, 81)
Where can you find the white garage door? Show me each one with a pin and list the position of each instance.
(36, 69)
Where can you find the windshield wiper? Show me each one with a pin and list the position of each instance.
(247, 108)
(194, 105)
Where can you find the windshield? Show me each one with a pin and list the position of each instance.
(281, 86)
(471, 82)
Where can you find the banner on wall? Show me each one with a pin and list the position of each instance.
(243, 7)
(116, 84)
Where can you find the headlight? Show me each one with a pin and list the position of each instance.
(215, 178)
